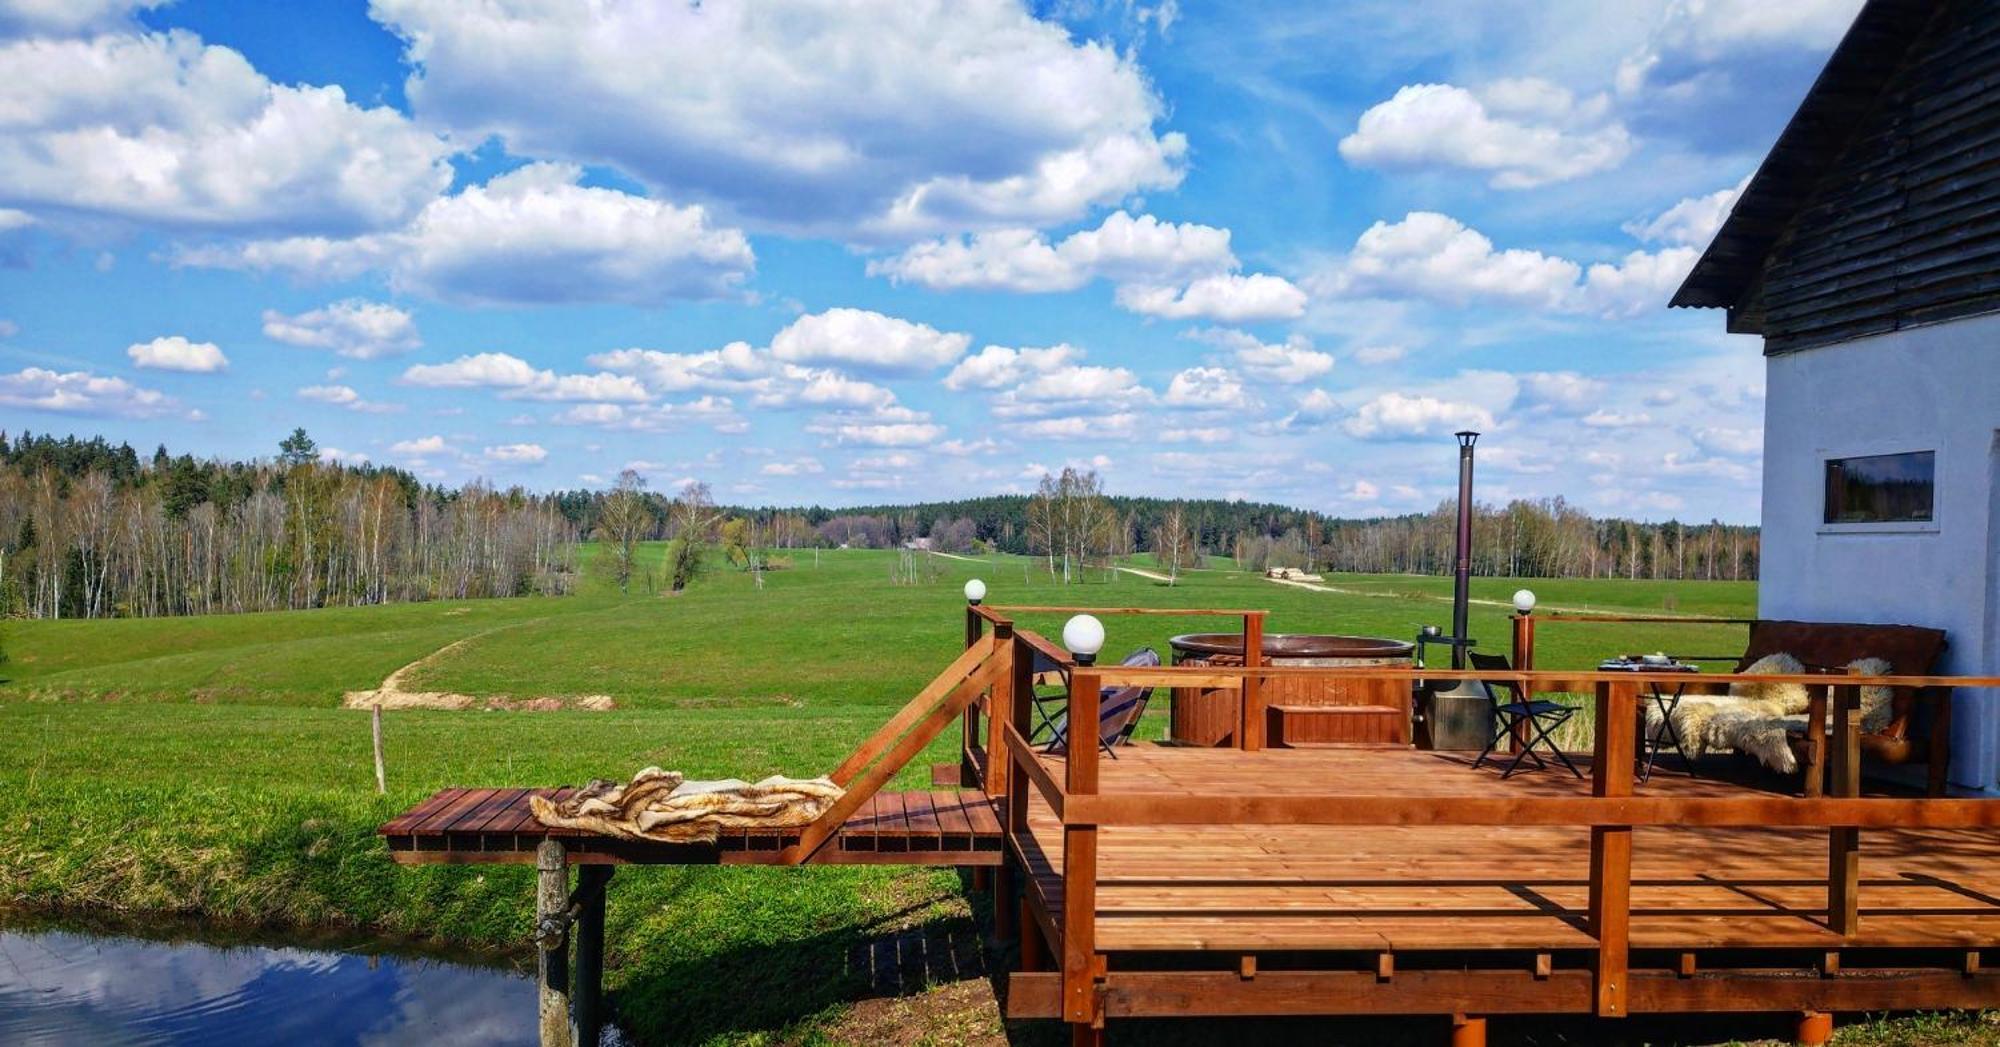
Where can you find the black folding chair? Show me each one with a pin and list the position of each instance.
(1118, 708)
(1537, 719)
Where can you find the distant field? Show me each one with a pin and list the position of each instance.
(202, 766)
(835, 634)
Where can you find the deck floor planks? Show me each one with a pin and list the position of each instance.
(1225, 888)
(498, 825)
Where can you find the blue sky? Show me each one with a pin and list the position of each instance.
(893, 251)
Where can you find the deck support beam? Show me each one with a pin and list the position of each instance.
(592, 882)
(551, 906)
(1611, 847)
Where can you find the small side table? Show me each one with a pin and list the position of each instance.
(1665, 701)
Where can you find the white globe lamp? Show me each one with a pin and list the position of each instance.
(1084, 636)
(1524, 601)
(975, 591)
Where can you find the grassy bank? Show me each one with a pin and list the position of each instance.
(201, 766)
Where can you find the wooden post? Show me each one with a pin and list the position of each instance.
(592, 881)
(1006, 907)
(999, 710)
(969, 734)
(1524, 661)
(1468, 1031)
(1081, 962)
(1939, 746)
(1034, 947)
(551, 901)
(1815, 1028)
(375, 729)
(1815, 769)
(1843, 873)
(1611, 847)
(1250, 732)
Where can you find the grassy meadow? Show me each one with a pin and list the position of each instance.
(203, 766)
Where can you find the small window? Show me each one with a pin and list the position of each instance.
(1881, 488)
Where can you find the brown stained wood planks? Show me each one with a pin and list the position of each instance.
(415, 815)
(1458, 888)
(925, 831)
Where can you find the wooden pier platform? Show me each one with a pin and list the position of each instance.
(934, 827)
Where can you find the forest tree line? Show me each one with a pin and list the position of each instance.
(90, 530)
(1071, 523)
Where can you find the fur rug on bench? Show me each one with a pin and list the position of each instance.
(1759, 718)
(664, 805)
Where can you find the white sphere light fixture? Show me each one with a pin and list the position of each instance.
(1084, 636)
(975, 591)
(1524, 600)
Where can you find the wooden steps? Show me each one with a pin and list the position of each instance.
(920, 827)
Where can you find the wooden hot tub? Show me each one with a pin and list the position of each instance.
(1302, 710)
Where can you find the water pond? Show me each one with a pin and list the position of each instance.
(66, 983)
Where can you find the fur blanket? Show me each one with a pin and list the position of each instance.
(664, 805)
(1759, 718)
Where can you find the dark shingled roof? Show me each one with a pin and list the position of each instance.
(1868, 56)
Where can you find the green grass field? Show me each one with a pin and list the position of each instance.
(202, 766)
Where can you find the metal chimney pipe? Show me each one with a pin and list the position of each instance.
(1461, 589)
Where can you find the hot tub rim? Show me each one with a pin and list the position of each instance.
(1279, 646)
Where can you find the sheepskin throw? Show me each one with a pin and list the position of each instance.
(664, 805)
(1749, 719)
(1760, 718)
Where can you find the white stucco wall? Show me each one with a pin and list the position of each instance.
(1932, 388)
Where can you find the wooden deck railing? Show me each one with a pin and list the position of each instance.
(1611, 811)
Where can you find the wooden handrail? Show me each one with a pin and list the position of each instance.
(864, 788)
(1585, 618)
(1022, 752)
(1052, 651)
(913, 710)
(1336, 809)
(1171, 612)
(1542, 680)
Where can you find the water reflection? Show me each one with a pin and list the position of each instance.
(67, 986)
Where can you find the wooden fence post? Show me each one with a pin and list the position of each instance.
(1523, 661)
(1000, 709)
(1843, 874)
(1611, 846)
(1082, 964)
(551, 900)
(375, 730)
(1250, 732)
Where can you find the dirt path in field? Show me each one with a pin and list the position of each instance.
(392, 695)
(1153, 575)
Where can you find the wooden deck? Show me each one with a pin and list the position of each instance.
(1458, 890)
(935, 827)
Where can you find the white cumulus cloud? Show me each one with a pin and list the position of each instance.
(1228, 297)
(175, 353)
(1526, 133)
(881, 118)
(80, 392)
(516, 454)
(1401, 416)
(515, 378)
(353, 327)
(162, 129)
(532, 236)
(867, 341)
(1121, 248)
